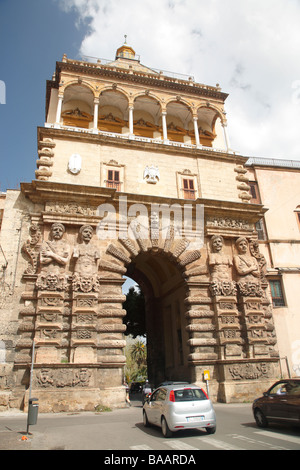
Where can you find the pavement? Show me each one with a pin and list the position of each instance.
(48, 434)
(50, 431)
(14, 436)
(11, 439)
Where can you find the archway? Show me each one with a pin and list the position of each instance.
(78, 106)
(164, 289)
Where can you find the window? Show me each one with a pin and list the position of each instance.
(159, 395)
(113, 179)
(188, 185)
(286, 388)
(113, 175)
(190, 394)
(162, 395)
(188, 189)
(254, 192)
(277, 293)
(260, 228)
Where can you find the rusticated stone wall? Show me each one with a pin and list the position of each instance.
(70, 308)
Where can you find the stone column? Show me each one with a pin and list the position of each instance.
(195, 119)
(223, 292)
(85, 288)
(58, 110)
(131, 120)
(226, 137)
(51, 286)
(164, 125)
(96, 106)
(251, 300)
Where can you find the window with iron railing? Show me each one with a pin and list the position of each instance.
(113, 180)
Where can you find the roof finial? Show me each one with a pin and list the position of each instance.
(125, 36)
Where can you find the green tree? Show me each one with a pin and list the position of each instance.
(136, 361)
(139, 353)
(135, 313)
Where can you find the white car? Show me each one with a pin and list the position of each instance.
(179, 406)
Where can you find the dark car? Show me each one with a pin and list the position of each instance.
(281, 403)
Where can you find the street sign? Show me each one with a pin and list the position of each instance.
(206, 375)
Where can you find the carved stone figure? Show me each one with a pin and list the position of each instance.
(31, 248)
(218, 262)
(56, 252)
(246, 265)
(151, 174)
(87, 256)
(54, 256)
(220, 269)
(261, 260)
(247, 269)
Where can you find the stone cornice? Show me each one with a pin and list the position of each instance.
(166, 83)
(48, 191)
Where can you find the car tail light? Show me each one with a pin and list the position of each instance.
(205, 393)
(172, 396)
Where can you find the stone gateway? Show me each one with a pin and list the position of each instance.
(156, 141)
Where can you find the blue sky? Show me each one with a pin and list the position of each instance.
(34, 34)
(250, 48)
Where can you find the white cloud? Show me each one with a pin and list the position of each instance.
(128, 284)
(251, 48)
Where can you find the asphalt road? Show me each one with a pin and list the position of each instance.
(123, 430)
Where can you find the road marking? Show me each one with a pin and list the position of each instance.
(256, 442)
(219, 444)
(141, 447)
(282, 437)
(179, 445)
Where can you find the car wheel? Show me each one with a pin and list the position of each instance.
(211, 430)
(145, 420)
(260, 418)
(165, 428)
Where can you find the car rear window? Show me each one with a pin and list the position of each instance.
(190, 394)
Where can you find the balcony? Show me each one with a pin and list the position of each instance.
(137, 138)
(113, 184)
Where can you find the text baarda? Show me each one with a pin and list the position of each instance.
(173, 459)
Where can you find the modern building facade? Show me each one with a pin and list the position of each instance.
(135, 176)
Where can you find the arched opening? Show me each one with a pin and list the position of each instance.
(78, 107)
(146, 114)
(135, 372)
(208, 132)
(113, 112)
(179, 122)
(164, 290)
